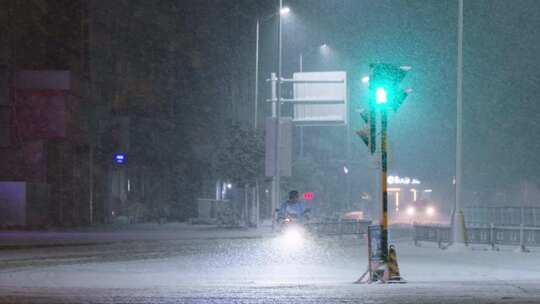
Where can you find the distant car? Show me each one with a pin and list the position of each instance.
(419, 211)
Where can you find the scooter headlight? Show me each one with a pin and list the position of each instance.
(293, 236)
(291, 240)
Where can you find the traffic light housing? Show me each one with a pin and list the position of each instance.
(368, 133)
(384, 86)
(385, 92)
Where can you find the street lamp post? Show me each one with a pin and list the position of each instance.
(255, 118)
(304, 54)
(276, 185)
(256, 98)
(282, 11)
(458, 229)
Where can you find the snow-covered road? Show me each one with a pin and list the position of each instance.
(260, 270)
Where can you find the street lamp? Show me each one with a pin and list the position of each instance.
(323, 48)
(365, 79)
(284, 11)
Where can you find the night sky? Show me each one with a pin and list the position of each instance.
(501, 80)
(211, 64)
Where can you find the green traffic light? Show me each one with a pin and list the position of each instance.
(381, 96)
(384, 83)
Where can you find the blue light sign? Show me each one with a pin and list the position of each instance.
(119, 158)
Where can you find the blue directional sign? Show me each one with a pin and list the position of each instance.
(119, 158)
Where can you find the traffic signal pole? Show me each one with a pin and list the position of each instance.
(384, 186)
(385, 93)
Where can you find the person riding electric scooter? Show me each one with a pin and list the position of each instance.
(292, 210)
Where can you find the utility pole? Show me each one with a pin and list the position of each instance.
(458, 229)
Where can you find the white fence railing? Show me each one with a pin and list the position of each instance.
(502, 216)
(339, 227)
(522, 236)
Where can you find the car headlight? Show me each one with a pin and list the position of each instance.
(410, 210)
(430, 211)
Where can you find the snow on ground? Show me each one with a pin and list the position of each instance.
(263, 262)
(413, 293)
(244, 266)
(115, 233)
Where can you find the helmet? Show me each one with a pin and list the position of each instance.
(293, 195)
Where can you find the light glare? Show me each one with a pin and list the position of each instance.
(365, 79)
(291, 240)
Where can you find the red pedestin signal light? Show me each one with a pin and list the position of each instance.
(309, 196)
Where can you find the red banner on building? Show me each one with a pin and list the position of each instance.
(39, 114)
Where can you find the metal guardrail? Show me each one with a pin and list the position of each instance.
(521, 236)
(340, 227)
(502, 216)
(431, 233)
